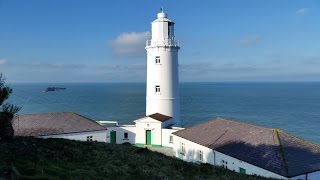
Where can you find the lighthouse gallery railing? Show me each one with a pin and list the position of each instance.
(166, 42)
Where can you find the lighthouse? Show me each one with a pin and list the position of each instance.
(162, 89)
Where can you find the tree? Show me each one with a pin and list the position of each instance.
(7, 112)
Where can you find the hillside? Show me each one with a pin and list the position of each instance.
(32, 158)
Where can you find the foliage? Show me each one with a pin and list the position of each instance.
(32, 158)
(7, 112)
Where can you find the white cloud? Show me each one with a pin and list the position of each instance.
(303, 11)
(313, 60)
(3, 61)
(57, 65)
(130, 44)
(249, 40)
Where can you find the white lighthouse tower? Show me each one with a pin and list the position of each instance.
(162, 93)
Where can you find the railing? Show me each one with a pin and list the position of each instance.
(166, 42)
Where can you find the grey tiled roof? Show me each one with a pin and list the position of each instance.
(52, 123)
(160, 117)
(270, 149)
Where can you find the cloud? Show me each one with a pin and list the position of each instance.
(130, 44)
(4, 62)
(303, 11)
(56, 65)
(314, 60)
(124, 73)
(206, 71)
(206, 67)
(248, 41)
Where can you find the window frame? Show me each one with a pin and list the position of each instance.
(182, 148)
(89, 138)
(125, 135)
(157, 60)
(171, 139)
(224, 164)
(201, 155)
(157, 89)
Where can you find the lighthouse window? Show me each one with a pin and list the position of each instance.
(157, 59)
(169, 31)
(157, 89)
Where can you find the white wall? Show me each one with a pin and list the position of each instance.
(215, 158)
(120, 130)
(148, 123)
(314, 176)
(82, 136)
(235, 164)
(299, 177)
(192, 151)
(311, 176)
(166, 133)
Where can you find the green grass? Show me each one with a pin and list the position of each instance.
(32, 158)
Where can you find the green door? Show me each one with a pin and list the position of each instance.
(242, 171)
(113, 137)
(148, 137)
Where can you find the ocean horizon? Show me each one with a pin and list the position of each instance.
(290, 106)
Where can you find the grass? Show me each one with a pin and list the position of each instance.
(33, 158)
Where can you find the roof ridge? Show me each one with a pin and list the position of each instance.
(45, 113)
(303, 140)
(277, 131)
(70, 112)
(224, 119)
(159, 114)
(89, 119)
(241, 122)
(225, 132)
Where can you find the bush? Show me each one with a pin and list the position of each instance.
(65, 159)
(7, 112)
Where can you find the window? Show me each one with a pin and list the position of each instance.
(125, 135)
(157, 89)
(89, 138)
(157, 59)
(182, 149)
(169, 29)
(170, 139)
(200, 155)
(224, 164)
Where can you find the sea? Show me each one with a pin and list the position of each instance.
(293, 107)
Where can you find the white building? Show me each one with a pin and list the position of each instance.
(236, 146)
(248, 149)
(65, 125)
(152, 131)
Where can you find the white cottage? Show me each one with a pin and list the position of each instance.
(248, 149)
(65, 125)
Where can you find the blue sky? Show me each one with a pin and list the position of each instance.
(103, 41)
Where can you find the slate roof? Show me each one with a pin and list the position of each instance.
(160, 117)
(53, 123)
(270, 149)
